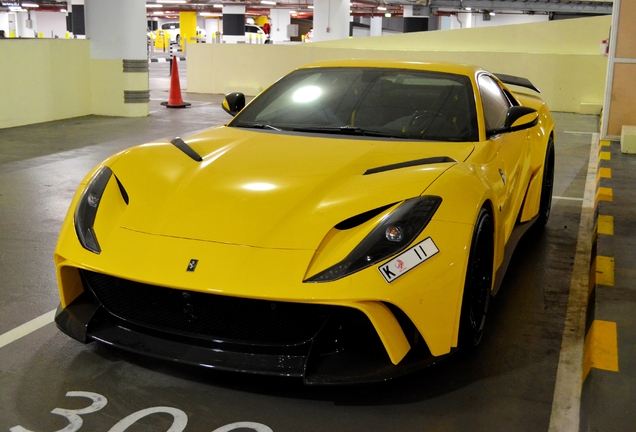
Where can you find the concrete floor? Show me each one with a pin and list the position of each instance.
(507, 384)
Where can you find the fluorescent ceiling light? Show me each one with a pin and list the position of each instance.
(217, 5)
(268, 2)
(153, 5)
(469, 8)
(158, 13)
(492, 14)
(310, 7)
(34, 5)
(381, 8)
(388, 15)
(172, 1)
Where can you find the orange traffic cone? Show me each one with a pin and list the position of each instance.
(175, 100)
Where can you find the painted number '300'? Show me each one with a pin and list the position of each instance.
(179, 418)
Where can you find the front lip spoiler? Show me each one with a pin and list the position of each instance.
(316, 362)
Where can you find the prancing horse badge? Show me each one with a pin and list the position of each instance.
(192, 265)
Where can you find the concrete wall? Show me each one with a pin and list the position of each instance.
(54, 79)
(45, 79)
(562, 58)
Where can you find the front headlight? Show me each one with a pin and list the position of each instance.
(394, 234)
(87, 209)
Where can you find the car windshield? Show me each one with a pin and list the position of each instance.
(380, 102)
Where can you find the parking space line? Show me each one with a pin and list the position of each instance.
(566, 402)
(27, 328)
(601, 347)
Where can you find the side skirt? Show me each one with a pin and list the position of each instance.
(517, 234)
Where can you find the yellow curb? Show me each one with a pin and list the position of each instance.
(604, 270)
(606, 224)
(603, 173)
(601, 347)
(604, 194)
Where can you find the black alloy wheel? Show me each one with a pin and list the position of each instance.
(547, 185)
(477, 289)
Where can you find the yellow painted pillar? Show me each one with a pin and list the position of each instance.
(188, 27)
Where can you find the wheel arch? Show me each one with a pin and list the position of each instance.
(463, 203)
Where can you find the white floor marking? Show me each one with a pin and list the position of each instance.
(26, 328)
(566, 403)
(567, 198)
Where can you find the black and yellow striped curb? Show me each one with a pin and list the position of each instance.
(601, 339)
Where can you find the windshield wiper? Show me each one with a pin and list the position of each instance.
(258, 126)
(345, 130)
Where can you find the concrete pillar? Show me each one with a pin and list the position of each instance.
(75, 23)
(280, 19)
(331, 20)
(619, 108)
(119, 61)
(187, 28)
(233, 24)
(212, 26)
(416, 18)
(376, 26)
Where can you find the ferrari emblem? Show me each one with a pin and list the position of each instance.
(192, 265)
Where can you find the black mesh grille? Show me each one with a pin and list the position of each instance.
(208, 315)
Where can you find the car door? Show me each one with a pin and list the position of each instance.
(509, 169)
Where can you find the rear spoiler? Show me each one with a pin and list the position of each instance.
(522, 82)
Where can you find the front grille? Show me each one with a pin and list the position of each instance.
(209, 316)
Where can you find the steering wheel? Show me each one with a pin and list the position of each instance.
(423, 119)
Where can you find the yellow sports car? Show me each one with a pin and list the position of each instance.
(349, 224)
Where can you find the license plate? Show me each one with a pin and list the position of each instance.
(408, 260)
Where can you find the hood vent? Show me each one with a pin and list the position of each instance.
(354, 221)
(181, 145)
(416, 162)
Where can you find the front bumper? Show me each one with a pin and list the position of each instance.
(320, 344)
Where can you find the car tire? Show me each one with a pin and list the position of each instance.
(478, 285)
(178, 39)
(547, 185)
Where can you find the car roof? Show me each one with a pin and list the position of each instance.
(455, 68)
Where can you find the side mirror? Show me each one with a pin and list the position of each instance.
(518, 118)
(233, 103)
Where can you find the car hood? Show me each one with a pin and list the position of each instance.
(270, 189)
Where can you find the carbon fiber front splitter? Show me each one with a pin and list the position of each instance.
(342, 353)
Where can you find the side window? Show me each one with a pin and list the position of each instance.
(495, 102)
